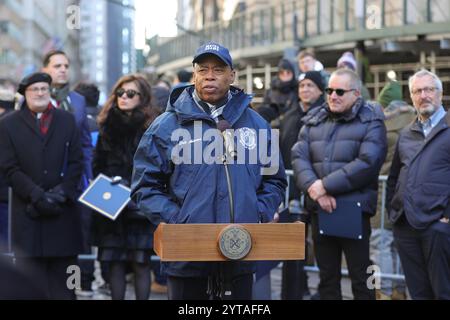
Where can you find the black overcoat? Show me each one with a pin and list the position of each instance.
(31, 163)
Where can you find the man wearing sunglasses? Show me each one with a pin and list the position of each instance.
(418, 193)
(337, 159)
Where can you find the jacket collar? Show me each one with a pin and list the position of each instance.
(316, 104)
(31, 121)
(442, 125)
(417, 127)
(182, 103)
(349, 115)
(318, 115)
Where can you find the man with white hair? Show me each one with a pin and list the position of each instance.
(419, 192)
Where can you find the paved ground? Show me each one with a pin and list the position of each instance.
(313, 280)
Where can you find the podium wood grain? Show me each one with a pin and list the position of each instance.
(199, 242)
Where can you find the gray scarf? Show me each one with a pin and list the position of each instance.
(61, 95)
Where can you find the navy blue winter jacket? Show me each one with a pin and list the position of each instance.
(197, 193)
(345, 150)
(78, 104)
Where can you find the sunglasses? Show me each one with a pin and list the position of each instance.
(130, 93)
(339, 92)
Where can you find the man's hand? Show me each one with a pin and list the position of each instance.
(444, 220)
(316, 190)
(327, 203)
(48, 205)
(276, 218)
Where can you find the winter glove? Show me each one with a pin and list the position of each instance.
(58, 194)
(49, 204)
(132, 206)
(133, 211)
(32, 212)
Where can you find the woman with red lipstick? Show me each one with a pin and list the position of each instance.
(129, 239)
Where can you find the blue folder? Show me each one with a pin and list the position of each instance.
(106, 198)
(344, 222)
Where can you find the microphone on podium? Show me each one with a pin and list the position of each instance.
(228, 138)
(230, 152)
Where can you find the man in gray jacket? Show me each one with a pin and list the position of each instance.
(418, 194)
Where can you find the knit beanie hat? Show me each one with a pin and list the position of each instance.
(347, 60)
(391, 91)
(315, 77)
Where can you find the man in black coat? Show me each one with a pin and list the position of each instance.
(340, 151)
(418, 194)
(310, 95)
(41, 159)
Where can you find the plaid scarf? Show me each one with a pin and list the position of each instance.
(44, 119)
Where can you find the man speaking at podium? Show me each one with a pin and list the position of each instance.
(179, 177)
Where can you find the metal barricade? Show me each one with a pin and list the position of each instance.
(382, 180)
(289, 173)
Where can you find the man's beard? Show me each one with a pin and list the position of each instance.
(428, 110)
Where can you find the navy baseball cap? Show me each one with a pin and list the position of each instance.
(216, 49)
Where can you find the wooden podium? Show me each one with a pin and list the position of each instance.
(199, 242)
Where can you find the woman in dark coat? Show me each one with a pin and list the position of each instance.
(123, 120)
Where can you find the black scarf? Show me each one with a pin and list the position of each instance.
(284, 86)
(120, 124)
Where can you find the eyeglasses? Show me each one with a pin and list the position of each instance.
(36, 90)
(426, 90)
(339, 92)
(130, 93)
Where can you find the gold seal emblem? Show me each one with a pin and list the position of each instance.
(235, 242)
(107, 196)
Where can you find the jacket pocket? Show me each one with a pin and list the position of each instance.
(250, 194)
(436, 189)
(255, 175)
(182, 179)
(433, 196)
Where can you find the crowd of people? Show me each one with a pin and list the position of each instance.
(334, 137)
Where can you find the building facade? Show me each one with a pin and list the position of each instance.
(107, 41)
(29, 29)
(397, 35)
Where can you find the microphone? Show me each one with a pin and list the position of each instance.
(228, 138)
(223, 125)
(224, 269)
